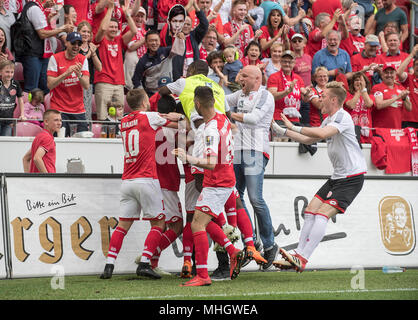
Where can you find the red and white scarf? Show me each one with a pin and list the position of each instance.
(292, 100)
(413, 141)
(243, 39)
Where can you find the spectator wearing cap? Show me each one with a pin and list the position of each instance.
(394, 56)
(136, 47)
(391, 99)
(109, 82)
(335, 59)
(303, 68)
(410, 81)
(287, 89)
(156, 63)
(366, 60)
(67, 76)
(153, 100)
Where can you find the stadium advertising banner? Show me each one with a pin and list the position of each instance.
(65, 223)
(3, 234)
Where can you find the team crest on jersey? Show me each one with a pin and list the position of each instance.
(397, 225)
(209, 140)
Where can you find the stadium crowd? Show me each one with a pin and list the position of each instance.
(287, 61)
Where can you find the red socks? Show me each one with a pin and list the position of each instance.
(231, 210)
(201, 244)
(187, 242)
(151, 243)
(115, 244)
(167, 238)
(217, 235)
(245, 226)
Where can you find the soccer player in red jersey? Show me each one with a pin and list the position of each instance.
(218, 183)
(140, 189)
(41, 157)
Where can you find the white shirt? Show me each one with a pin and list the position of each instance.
(258, 109)
(343, 148)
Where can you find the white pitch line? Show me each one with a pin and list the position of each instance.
(250, 294)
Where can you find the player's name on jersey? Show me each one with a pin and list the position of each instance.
(130, 124)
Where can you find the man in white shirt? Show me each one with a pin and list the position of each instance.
(346, 181)
(254, 108)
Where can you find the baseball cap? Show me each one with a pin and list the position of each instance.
(141, 10)
(288, 53)
(163, 81)
(297, 35)
(388, 66)
(73, 37)
(372, 39)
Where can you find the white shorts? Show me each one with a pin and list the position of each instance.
(143, 194)
(172, 206)
(190, 196)
(212, 200)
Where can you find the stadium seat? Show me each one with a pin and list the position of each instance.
(96, 128)
(27, 129)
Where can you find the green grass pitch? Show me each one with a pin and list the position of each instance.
(272, 285)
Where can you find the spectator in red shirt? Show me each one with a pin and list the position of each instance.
(41, 157)
(236, 31)
(67, 76)
(390, 100)
(99, 10)
(359, 103)
(327, 6)
(321, 79)
(209, 43)
(394, 56)
(354, 43)
(366, 60)
(109, 82)
(287, 89)
(323, 24)
(273, 31)
(410, 81)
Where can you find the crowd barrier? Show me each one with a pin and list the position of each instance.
(65, 221)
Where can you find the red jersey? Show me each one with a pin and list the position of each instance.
(230, 28)
(266, 35)
(81, 7)
(398, 150)
(281, 81)
(315, 42)
(138, 136)
(328, 6)
(359, 61)
(68, 95)
(361, 115)
(188, 176)
(98, 17)
(389, 117)
(315, 116)
(110, 52)
(44, 140)
(411, 83)
(395, 60)
(353, 44)
(218, 143)
(167, 167)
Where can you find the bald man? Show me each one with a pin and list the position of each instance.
(254, 108)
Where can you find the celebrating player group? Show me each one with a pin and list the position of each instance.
(215, 137)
